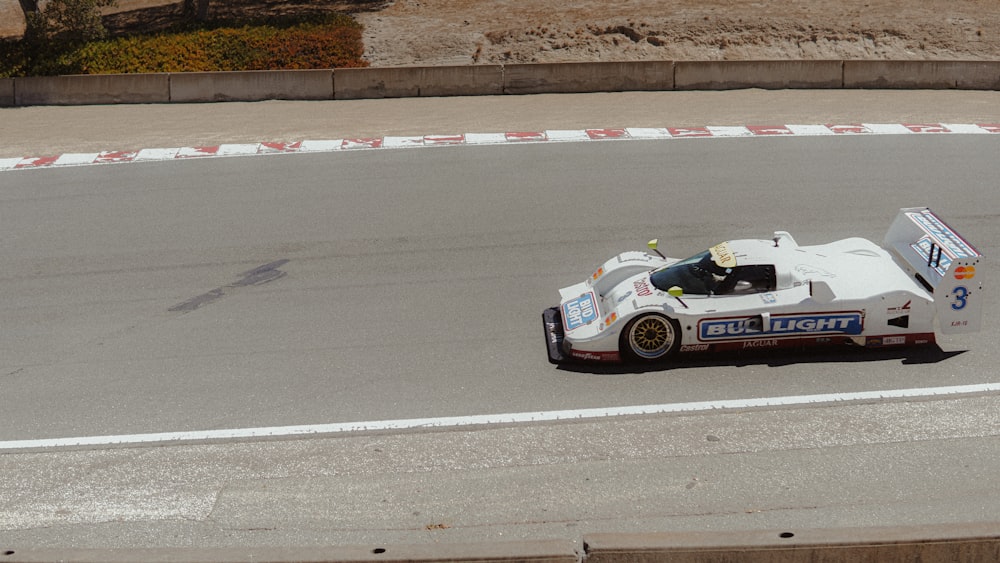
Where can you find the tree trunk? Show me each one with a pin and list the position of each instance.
(194, 10)
(202, 10)
(28, 6)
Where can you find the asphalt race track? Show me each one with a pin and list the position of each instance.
(296, 290)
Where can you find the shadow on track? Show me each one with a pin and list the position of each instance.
(913, 355)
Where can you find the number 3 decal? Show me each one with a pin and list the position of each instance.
(961, 298)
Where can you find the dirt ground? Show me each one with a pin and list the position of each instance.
(459, 32)
(445, 32)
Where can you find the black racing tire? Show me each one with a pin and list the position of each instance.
(650, 337)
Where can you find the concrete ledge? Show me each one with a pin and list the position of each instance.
(946, 543)
(6, 92)
(772, 75)
(491, 80)
(968, 75)
(84, 89)
(251, 86)
(411, 82)
(968, 543)
(539, 551)
(566, 78)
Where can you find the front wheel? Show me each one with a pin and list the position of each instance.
(651, 337)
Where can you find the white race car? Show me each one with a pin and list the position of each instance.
(744, 294)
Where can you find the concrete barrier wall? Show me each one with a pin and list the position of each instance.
(6, 92)
(491, 80)
(968, 75)
(251, 86)
(948, 543)
(412, 82)
(731, 75)
(587, 77)
(92, 89)
(528, 551)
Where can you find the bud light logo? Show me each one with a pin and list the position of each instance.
(780, 325)
(579, 312)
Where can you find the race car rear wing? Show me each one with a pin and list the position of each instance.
(944, 263)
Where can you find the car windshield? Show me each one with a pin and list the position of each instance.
(698, 275)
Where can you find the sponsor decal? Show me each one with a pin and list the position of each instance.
(610, 319)
(768, 298)
(808, 270)
(624, 297)
(694, 348)
(579, 312)
(941, 259)
(642, 288)
(894, 340)
(723, 256)
(550, 328)
(965, 272)
(595, 356)
(899, 310)
(767, 343)
(780, 325)
(943, 235)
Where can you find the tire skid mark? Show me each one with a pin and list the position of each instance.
(258, 276)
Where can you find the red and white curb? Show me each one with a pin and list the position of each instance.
(574, 135)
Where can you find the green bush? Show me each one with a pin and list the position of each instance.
(12, 59)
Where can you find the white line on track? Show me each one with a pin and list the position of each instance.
(490, 419)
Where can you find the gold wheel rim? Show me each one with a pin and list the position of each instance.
(651, 336)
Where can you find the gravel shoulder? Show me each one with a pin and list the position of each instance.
(50, 130)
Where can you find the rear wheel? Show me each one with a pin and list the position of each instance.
(651, 337)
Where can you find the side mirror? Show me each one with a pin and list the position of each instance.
(652, 246)
(675, 291)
